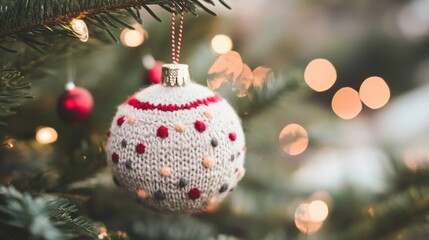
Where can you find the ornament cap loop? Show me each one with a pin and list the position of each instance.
(70, 86)
(175, 75)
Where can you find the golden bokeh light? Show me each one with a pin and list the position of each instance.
(46, 135)
(371, 212)
(133, 38)
(318, 210)
(262, 76)
(304, 222)
(374, 92)
(80, 29)
(320, 75)
(242, 84)
(346, 103)
(293, 139)
(227, 67)
(221, 44)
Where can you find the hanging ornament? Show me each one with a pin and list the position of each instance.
(153, 69)
(75, 105)
(176, 146)
(154, 74)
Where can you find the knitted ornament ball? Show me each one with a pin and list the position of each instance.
(176, 146)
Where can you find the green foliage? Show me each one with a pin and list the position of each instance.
(178, 228)
(398, 211)
(224, 237)
(42, 217)
(13, 88)
(38, 23)
(31, 21)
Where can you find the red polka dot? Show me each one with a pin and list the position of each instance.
(232, 136)
(108, 133)
(194, 193)
(162, 132)
(115, 158)
(200, 126)
(120, 121)
(140, 148)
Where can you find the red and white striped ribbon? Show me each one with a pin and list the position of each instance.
(175, 53)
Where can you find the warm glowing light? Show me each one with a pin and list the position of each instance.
(320, 75)
(346, 103)
(262, 76)
(103, 232)
(371, 212)
(374, 92)
(415, 159)
(221, 44)
(46, 135)
(242, 84)
(10, 143)
(227, 67)
(293, 139)
(318, 210)
(80, 29)
(133, 38)
(304, 222)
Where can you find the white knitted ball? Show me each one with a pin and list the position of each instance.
(177, 149)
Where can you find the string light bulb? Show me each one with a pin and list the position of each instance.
(46, 135)
(10, 143)
(80, 29)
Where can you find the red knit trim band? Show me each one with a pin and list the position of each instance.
(173, 107)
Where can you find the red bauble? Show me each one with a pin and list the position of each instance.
(154, 74)
(75, 106)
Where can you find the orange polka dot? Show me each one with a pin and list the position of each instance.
(165, 171)
(208, 114)
(142, 194)
(132, 120)
(208, 162)
(179, 128)
(211, 205)
(240, 173)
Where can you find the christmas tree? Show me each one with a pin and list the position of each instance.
(331, 94)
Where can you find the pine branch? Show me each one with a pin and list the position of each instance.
(22, 216)
(62, 212)
(42, 217)
(174, 228)
(392, 215)
(12, 91)
(25, 20)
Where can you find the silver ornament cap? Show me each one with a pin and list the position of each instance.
(175, 75)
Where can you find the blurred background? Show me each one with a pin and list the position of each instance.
(334, 101)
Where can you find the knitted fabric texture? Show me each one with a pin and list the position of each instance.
(177, 149)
